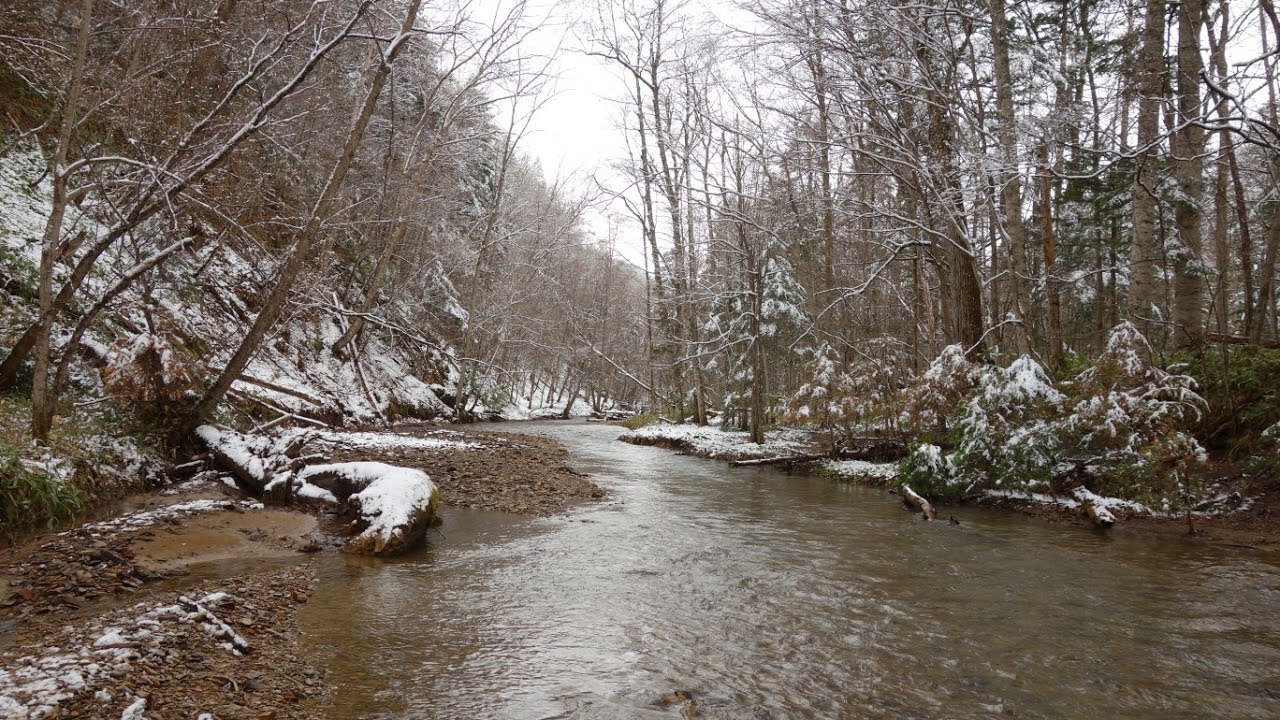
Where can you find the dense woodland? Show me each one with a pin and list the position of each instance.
(1016, 178)
(846, 209)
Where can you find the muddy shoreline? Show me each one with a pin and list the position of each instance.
(104, 619)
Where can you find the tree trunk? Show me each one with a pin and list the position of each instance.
(1149, 86)
(1222, 178)
(1009, 176)
(1265, 303)
(1049, 242)
(965, 285)
(1188, 275)
(41, 405)
(756, 274)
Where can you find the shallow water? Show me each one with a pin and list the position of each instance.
(777, 596)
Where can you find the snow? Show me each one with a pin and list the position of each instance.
(1105, 506)
(90, 659)
(390, 499)
(136, 711)
(238, 448)
(1109, 504)
(23, 209)
(393, 441)
(1033, 497)
(111, 638)
(307, 491)
(860, 469)
(716, 443)
(552, 411)
(264, 457)
(146, 518)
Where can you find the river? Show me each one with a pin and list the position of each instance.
(769, 595)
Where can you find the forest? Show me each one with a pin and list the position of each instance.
(1036, 239)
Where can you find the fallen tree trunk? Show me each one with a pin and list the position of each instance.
(1097, 511)
(874, 450)
(1099, 516)
(611, 415)
(272, 387)
(248, 458)
(391, 507)
(914, 501)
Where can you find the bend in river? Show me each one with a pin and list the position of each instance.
(773, 596)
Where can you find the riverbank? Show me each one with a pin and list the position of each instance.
(1235, 514)
(107, 620)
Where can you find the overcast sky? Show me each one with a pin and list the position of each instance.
(575, 133)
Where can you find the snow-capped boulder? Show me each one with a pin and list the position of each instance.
(393, 506)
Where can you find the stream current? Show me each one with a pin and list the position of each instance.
(767, 595)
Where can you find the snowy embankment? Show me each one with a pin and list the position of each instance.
(391, 506)
(205, 298)
(712, 442)
(439, 440)
(872, 473)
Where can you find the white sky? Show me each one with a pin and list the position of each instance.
(575, 133)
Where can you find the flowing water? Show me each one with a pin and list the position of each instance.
(776, 596)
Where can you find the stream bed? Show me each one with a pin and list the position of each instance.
(767, 595)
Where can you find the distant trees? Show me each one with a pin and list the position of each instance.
(352, 147)
(1013, 177)
(1005, 178)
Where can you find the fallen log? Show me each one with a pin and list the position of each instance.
(254, 460)
(1100, 516)
(874, 450)
(272, 387)
(914, 501)
(610, 415)
(1097, 513)
(393, 506)
(784, 460)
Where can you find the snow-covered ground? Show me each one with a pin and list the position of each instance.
(1219, 504)
(202, 293)
(207, 291)
(553, 411)
(146, 518)
(860, 470)
(439, 440)
(712, 442)
(94, 657)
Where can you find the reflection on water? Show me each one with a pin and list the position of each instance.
(779, 596)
